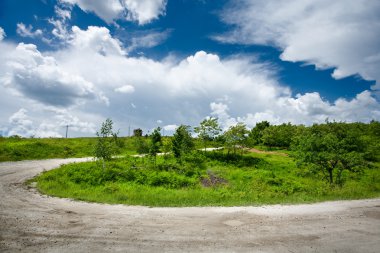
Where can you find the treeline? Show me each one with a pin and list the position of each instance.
(363, 137)
(331, 148)
(286, 135)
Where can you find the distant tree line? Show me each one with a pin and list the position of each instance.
(330, 149)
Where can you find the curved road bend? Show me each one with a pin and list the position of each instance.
(30, 222)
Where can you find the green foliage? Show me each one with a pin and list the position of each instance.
(155, 143)
(235, 137)
(14, 149)
(188, 177)
(208, 130)
(106, 142)
(236, 160)
(141, 145)
(182, 142)
(256, 133)
(279, 136)
(137, 132)
(203, 179)
(331, 149)
(371, 137)
(166, 147)
(89, 174)
(195, 159)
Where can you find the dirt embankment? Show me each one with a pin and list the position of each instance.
(30, 222)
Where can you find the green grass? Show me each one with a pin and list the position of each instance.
(215, 180)
(16, 149)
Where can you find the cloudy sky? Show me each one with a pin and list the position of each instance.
(149, 63)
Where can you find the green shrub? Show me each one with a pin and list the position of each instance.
(214, 179)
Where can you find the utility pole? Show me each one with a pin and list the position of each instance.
(67, 130)
(129, 130)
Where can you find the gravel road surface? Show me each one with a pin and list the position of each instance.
(30, 222)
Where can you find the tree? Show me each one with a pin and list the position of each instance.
(141, 145)
(208, 130)
(155, 143)
(330, 149)
(235, 137)
(137, 132)
(182, 142)
(372, 139)
(256, 133)
(279, 136)
(106, 142)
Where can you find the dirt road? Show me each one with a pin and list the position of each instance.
(33, 223)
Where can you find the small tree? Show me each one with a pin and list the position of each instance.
(330, 149)
(137, 132)
(256, 133)
(166, 147)
(208, 130)
(155, 143)
(106, 142)
(278, 136)
(235, 137)
(141, 145)
(182, 142)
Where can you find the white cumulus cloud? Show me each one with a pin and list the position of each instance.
(40, 78)
(239, 88)
(96, 39)
(63, 118)
(304, 109)
(145, 10)
(20, 124)
(27, 31)
(125, 89)
(142, 11)
(341, 34)
(108, 10)
(170, 128)
(94, 65)
(27, 123)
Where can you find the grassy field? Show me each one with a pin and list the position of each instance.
(16, 149)
(211, 179)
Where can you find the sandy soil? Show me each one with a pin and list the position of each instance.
(30, 222)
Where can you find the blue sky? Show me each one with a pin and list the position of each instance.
(163, 63)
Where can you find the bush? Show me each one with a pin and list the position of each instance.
(235, 159)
